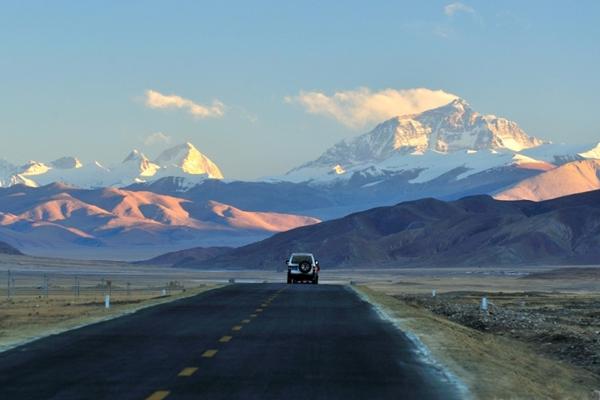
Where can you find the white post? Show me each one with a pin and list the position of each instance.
(484, 304)
(107, 301)
(433, 293)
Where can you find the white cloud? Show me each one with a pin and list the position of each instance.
(157, 138)
(155, 99)
(457, 7)
(357, 108)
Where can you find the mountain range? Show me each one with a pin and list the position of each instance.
(452, 128)
(184, 161)
(111, 222)
(473, 231)
(446, 153)
(452, 143)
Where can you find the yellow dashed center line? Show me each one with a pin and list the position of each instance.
(209, 353)
(189, 371)
(158, 395)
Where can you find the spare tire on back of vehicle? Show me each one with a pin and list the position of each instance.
(304, 267)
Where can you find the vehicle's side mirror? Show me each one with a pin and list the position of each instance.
(287, 260)
(316, 262)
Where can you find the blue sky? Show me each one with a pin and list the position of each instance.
(75, 75)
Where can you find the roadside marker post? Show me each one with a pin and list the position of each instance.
(433, 293)
(484, 305)
(107, 301)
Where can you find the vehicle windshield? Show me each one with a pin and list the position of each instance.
(297, 259)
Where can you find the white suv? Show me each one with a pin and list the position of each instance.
(302, 267)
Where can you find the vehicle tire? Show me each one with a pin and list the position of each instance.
(315, 280)
(289, 279)
(304, 267)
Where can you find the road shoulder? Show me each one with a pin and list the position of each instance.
(492, 367)
(87, 313)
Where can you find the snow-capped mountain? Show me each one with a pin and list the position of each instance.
(66, 163)
(561, 153)
(7, 174)
(139, 163)
(446, 153)
(81, 175)
(136, 167)
(184, 161)
(453, 128)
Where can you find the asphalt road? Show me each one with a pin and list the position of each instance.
(245, 341)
